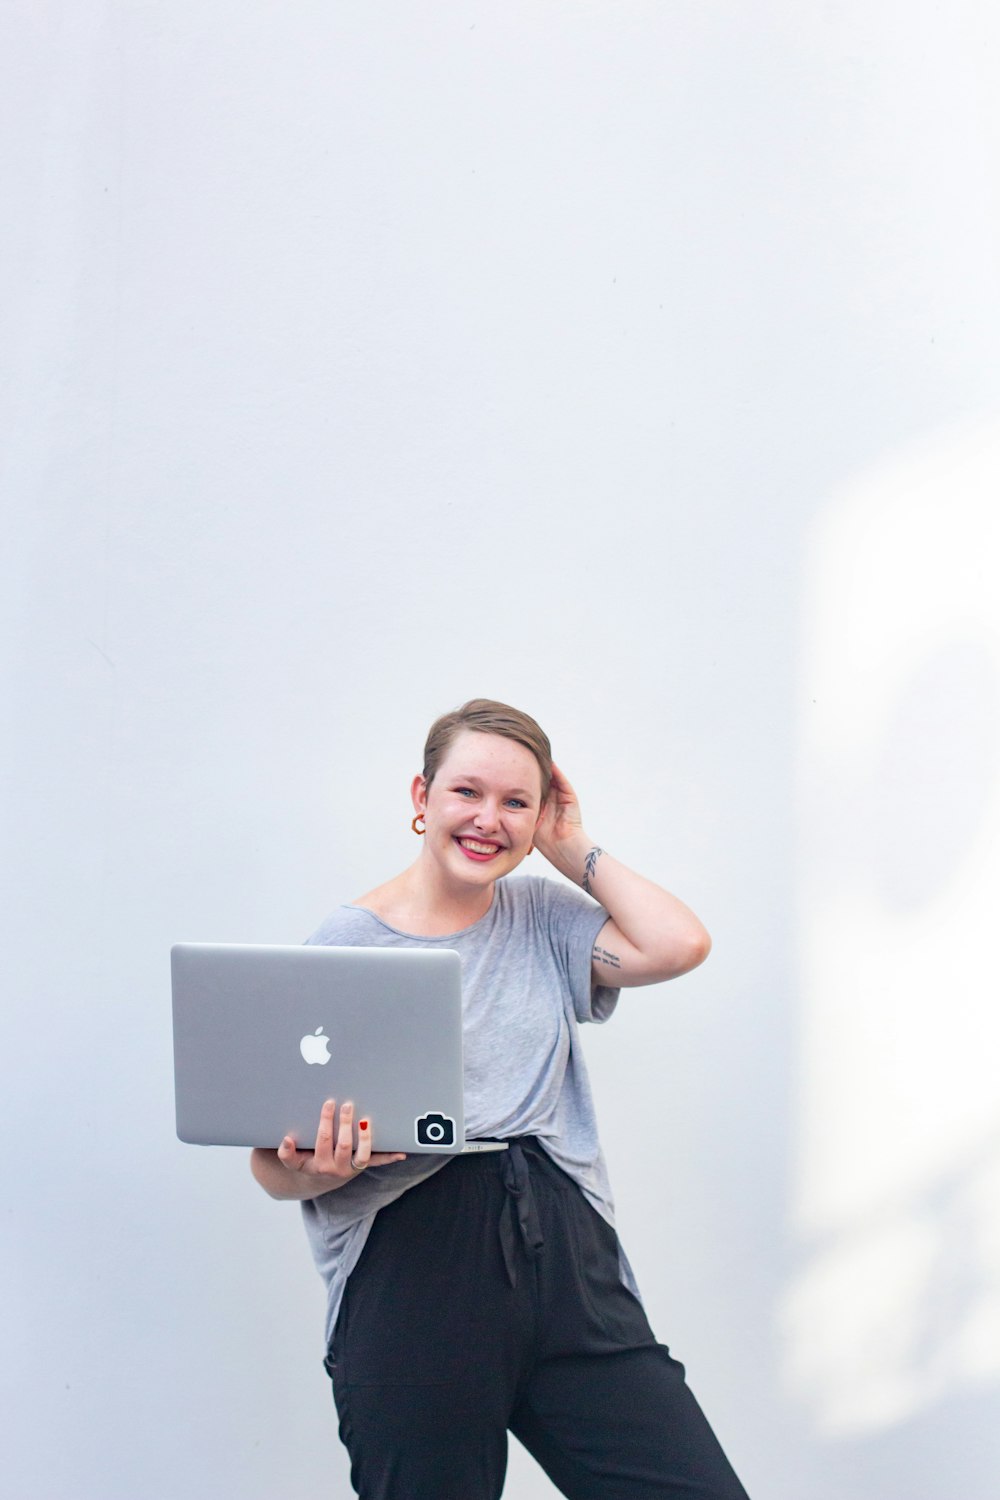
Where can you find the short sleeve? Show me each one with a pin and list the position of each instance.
(574, 920)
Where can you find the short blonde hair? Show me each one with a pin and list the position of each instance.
(486, 716)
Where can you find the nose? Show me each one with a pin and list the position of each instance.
(487, 815)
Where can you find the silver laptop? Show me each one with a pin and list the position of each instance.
(262, 1036)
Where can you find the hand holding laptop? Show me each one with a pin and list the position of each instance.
(336, 1162)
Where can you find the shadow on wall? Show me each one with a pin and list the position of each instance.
(895, 1303)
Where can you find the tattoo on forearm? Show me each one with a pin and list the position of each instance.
(589, 866)
(602, 956)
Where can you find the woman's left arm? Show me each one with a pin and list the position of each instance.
(651, 935)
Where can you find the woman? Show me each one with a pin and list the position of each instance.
(472, 1295)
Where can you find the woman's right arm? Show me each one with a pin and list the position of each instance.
(289, 1173)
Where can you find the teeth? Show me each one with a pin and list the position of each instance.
(478, 848)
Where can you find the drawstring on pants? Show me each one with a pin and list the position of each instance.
(518, 1217)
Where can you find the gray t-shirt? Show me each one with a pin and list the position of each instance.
(526, 986)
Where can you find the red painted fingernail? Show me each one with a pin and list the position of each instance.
(362, 1124)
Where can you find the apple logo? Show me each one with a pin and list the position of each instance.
(315, 1048)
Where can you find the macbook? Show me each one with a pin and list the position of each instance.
(264, 1035)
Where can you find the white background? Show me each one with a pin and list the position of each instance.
(635, 363)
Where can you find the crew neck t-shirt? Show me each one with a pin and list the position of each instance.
(526, 987)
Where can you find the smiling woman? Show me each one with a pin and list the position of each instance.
(477, 1294)
(484, 801)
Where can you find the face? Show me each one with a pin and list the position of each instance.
(482, 807)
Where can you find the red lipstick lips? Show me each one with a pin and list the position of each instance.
(477, 854)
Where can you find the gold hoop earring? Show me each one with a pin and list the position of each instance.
(418, 819)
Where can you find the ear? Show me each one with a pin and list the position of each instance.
(418, 794)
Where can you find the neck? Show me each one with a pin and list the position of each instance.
(418, 901)
(442, 904)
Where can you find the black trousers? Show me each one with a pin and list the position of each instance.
(487, 1299)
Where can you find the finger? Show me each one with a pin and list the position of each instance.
(345, 1137)
(290, 1156)
(380, 1158)
(324, 1135)
(363, 1154)
(567, 796)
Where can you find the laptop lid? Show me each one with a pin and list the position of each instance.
(263, 1035)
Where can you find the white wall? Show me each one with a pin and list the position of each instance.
(362, 358)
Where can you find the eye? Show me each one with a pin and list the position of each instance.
(515, 802)
(465, 791)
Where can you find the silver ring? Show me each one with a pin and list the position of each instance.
(355, 1167)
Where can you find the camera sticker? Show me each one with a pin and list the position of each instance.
(435, 1130)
